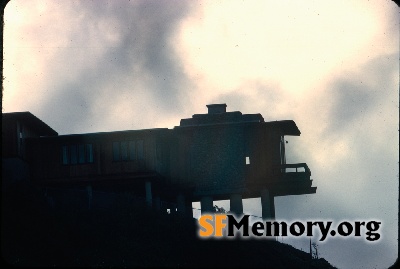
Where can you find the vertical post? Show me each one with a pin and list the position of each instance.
(189, 208)
(206, 205)
(236, 204)
(268, 208)
(268, 205)
(149, 198)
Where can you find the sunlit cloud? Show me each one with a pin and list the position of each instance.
(229, 42)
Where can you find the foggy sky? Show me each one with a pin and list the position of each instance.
(82, 66)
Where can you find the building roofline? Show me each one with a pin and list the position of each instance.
(32, 121)
(102, 134)
(288, 127)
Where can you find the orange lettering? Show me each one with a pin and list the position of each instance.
(219, 225)
(208, 227)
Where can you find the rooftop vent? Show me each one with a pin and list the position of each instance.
(216, 108)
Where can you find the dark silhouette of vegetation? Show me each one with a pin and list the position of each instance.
(315, 252)
(218, 209)
(33, 234)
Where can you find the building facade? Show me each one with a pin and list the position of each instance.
(215, 156)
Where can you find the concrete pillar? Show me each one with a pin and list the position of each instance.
(189, 208)
(268, 209)
(149, 197)
(206, 204)
(157, 203)
(180, 200)
(236, 204)
(89, 195)
(267, 205)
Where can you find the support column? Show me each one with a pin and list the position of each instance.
(189, 208)
(236, 204)
(206, 204)
(89, 195)
(149, 198)
(267, 205)
(268, 209)
(180, 200)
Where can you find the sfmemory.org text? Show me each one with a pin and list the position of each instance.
(225, 225)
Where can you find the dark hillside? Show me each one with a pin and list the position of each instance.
(34, 235)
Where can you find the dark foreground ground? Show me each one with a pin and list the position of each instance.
(34, 235)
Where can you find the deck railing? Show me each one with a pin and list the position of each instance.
(295, 170)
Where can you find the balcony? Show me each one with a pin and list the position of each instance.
(292, 179)
(295, 171)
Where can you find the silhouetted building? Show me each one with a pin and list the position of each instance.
(16, 128)
(215, 156)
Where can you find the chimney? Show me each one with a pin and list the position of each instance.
(216, 108)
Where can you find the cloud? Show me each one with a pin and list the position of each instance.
(105, 52)
(351, 148)
(258, 96)
(356, 94)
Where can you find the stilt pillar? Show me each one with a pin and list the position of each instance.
(268, 209)
(267, 205)
(236, 204)
(207, 205)
(189, 208)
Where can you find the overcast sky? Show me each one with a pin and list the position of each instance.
(331, 66)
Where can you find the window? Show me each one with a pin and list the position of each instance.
(116, 151)
(128, 150)
(132, 151)
(74, 154)
(65, 159)
(247, 160)
(81, 153)
(74, 157)
(89, 153)
(124, 151)
(140, 149)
